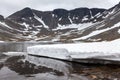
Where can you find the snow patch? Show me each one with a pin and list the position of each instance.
(70, 20)
(60, 19)
(41, 21)
(14, 53)
(98, 32)
(3, 23)
(2, 41)
(26, 25)
(119, 31)
(73, 26)
(91, 14)
(85, 18)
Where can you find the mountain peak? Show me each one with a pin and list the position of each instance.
(1, 18)
(27, 9)
(26, 12)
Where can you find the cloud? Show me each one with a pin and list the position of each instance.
(8, 7)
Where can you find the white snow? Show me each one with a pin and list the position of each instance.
(85, 18)
(98, 32)
(26, 25)
(79, 50)
(60, 19)
(73, 26)
(57, 38)
(119, 31)
(60, 53)
(98, 15)
(91, 14)
(3, 23)
(70, 20)
(41, 21)
(14, 53)
(53, 15)
(2, 41)
(85, 25)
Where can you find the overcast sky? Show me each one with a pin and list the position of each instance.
(8, 7)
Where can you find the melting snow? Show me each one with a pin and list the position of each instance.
(14, 53)
(41, 21)
(79, 50)
(26, 25)
(60, 53)
(1, 41)
(98, 32)
(70, 20)
(2, 23)
(91, 14)
(119, 31)
(85, 18)
(60, 19)
(73, 26)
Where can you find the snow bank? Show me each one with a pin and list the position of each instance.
(1, 41)
(54, 52)
(77, 50)
(14, 53)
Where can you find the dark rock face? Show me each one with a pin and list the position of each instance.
(55, 17)
(26, 12)
(1, 18)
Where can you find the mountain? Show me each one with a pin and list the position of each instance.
(106, 30)
(30, 24)
(80, 24)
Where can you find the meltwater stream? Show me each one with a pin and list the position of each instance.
(26, 67)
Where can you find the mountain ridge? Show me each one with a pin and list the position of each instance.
(80, 24)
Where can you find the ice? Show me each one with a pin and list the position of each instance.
(14, 53)
(79, 50)
(60, 53)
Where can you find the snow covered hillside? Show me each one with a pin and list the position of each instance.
(61, 25)
(30, 24)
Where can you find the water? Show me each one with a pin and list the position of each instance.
(28, 67)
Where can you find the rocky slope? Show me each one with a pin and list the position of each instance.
(81, 24)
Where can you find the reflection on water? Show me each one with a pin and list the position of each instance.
(38, 68)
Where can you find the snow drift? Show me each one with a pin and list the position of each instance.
(101, 50)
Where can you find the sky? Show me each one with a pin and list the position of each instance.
(8, 7)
